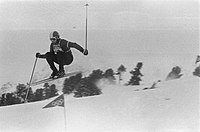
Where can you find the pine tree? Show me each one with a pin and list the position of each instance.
(83, 86)
(175, 73)
(54, 91)
(120, 70)
(30, 96)
(197, 71)
(9, 99)
(3, 100)
(87, 87)
(47, 91)
(21, 90)
(136, 75)
(71, 83)
(109, 74)
(96, 75)
(39, 95)
(12, 99)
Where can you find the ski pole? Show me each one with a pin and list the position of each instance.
(29, 84)
(86, 20)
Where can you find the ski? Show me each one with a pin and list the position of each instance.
(52, 79)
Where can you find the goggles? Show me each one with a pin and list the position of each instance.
(53, 39)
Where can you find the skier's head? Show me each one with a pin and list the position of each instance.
(54, 36)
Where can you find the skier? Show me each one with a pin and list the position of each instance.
(60, 53)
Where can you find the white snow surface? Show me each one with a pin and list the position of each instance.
(173, 106)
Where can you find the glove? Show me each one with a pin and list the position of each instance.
(85, 52)
(37, 55)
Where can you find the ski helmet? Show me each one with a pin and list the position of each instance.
(54, 34)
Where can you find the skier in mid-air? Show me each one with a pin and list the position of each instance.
(60, 53)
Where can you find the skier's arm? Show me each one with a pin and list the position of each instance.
(38, 55)
(43, 56)
(78, 47)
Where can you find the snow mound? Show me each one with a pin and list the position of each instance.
(171, 106)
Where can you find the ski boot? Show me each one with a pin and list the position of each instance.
(54, 74)
(61, 73)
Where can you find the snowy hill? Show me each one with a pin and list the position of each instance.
(173, 106)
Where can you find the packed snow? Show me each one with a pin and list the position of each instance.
(171, 106)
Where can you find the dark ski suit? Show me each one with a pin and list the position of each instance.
(61, 54)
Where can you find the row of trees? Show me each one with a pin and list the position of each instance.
(79, 85)
(82, 86)
(87, 86)
(17, 97)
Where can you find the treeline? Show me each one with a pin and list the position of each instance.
(86, 86)
(18, 96)
(79, 85)
(82, 86)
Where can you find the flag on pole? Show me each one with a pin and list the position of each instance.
(57, 102)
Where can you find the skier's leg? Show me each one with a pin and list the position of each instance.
(60, 58)
(63, 59)
(51, 58)
(68, 59)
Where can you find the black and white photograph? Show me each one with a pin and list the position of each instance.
(99, 66)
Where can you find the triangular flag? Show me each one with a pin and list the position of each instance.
(57, 102)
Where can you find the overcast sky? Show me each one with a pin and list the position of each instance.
(103, 14)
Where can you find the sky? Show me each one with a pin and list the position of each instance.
(111, 14)
(118, 28)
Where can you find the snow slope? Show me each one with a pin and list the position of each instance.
(173, 106)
